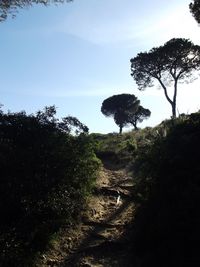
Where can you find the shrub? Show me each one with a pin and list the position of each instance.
(46, 175)
(167, 169)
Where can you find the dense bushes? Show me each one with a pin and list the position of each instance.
(164, 162)
(46, 174)
(115, 150)
(168, 183)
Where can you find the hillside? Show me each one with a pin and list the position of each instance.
(139, 207)
(156, 171)
(103, 238)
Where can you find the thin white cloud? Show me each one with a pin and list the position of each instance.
(179, 23)
(95, 90)
(130, 27)
(100, 32)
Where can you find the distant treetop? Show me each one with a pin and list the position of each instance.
(195, 10)
(125, 109)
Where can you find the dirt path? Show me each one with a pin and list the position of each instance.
(103, 237)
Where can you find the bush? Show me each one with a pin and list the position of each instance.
(167, 169)
(46, 175)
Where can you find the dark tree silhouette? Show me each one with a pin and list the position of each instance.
(195, 10)
(11, 7)
(67, 125)
(139, 116)
(120, 107)
(71, 124)
(169, 64)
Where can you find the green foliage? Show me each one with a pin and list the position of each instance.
(131, 145)
(167, 183)
(46, 175)
(119, 149)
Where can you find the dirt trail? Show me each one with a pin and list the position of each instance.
(103, 237)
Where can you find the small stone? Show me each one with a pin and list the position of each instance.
(51, 262)
(43, 256)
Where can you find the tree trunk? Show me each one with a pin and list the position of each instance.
(120, 129)
(172, 102)
(135, 126)
(174, 110)
(174, 99)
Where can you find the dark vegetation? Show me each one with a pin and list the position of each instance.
(167, 170)
(46, 175)
(125, 110)
(114, 148)
(195, 10)
(174, 62)
(164, 162)
(11, 7)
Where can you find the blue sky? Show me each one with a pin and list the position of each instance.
(76, 55)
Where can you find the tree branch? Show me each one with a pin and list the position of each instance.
(165, 91)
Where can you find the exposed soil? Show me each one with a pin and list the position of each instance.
(103, 238)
